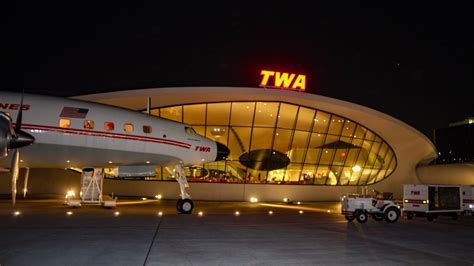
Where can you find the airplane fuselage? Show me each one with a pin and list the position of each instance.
(72, 133)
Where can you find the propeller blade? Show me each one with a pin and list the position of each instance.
(20, 115)
(25, 188)
(15, 168)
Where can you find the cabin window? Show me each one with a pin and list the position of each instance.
(109, 126)
(65, 123)
(147, 129)
(88, 124)
(128, 127)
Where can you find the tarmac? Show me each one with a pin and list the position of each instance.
(43, 231)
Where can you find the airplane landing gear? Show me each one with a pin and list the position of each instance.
(184, 204)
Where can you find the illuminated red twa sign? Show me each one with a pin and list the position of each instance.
(283, 80)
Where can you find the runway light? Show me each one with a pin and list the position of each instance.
(286, 199)
(16, 213)
(253, 200)
(160, 213)
(237, 213)
(69, 213)
(300, 212)
(200, 213)
(270, 212)
(158, 196)
(116, 213)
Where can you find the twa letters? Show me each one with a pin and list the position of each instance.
(283, 80)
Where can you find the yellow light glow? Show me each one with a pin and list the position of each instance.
(200, 213)
(144, 198)
(406, 200)
(329, 211)
(160, 213)
(158, 196)
(237, 213)
(110, 162)
(147, 162)
(300, 83)
(69, 213)
(253, 199)
(300, 212)
(70, 194)
(356, 168)
(270, 212)
(286, 199)
(299, 203)
(116, 213)
(16, 213)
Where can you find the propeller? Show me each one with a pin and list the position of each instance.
(13, 139)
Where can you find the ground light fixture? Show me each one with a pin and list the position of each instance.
(69, 213)
(200, 213)
(160, 213)
(270, 212)
(16, 213)
(286, 199)
(116, 213)
(300, 212)
(158, 196)
(237, 213)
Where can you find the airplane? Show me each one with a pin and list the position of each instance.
(55, 132)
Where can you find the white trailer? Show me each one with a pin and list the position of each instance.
(432, 200)
(468, 199)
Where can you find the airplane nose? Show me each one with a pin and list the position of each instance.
(222, 151)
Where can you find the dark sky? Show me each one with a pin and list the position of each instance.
(413, 61)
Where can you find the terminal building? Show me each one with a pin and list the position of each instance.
(286, 143)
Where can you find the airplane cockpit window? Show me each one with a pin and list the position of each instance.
(190, 130)
(88, 124)
(109, 126)
(147, 129)
(128, 127)
(65, 123)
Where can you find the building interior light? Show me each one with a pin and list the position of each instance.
(253, 199)
(356, 168)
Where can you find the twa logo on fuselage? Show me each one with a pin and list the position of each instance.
(14, 106)
(203, 149)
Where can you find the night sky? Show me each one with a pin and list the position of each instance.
(413, 61)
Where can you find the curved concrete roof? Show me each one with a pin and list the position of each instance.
(410, 146)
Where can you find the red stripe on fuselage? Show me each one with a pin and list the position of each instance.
(107, 134)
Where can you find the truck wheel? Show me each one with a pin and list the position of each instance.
(378, 216)
(361, 217)
(392, 214)
(349, 218)
(409, 215)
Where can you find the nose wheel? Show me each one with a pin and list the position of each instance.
(184, 206)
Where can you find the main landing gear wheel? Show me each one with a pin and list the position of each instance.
(392, 214)
(184, 206)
